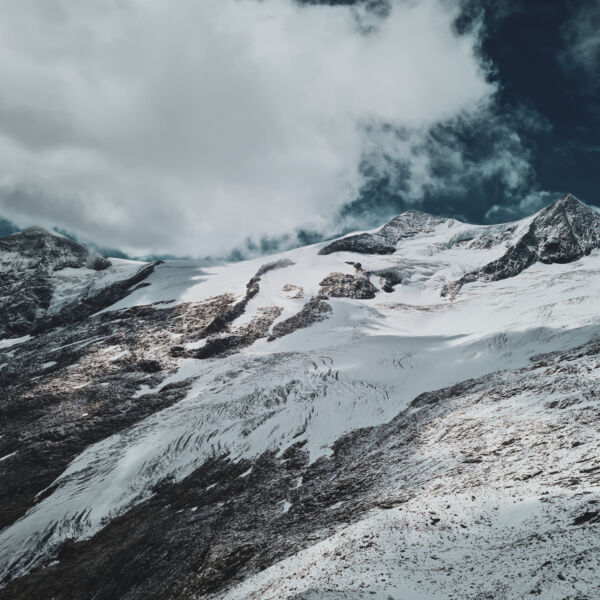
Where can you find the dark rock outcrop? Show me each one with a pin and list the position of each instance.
(346, 285)
(362, 243)
(315, 310)
(241, 337)
(561, 233)
(223, 339)
(38, 249)
(222, 322)
(293, 291)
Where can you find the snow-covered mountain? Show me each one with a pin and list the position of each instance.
(406, 413)
(48, 280)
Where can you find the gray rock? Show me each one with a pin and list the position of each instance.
(36, 249)
(293, 291)
(225, 339)
(345, 285)
(363, 243)
(240, 337)
(561, 233)
(315, 310)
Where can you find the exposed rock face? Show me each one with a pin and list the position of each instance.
(224, 340)
(315, 310)
(222, 322)
(38, 249)
(29, 262)
(345, 285)
(362, 243)
(563, 232)
(69, 387)
(566, 231)
(240, 337)
(405, 226)
(409, 224)
(282, 263)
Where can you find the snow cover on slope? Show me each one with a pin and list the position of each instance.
(359, 367)
(498, 499)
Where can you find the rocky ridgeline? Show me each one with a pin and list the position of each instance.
(29, 261)
(561, 233)
(36, 249)
(384, 241)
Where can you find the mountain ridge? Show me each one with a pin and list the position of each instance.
(563, 232)
(41, 251)
(262, 429)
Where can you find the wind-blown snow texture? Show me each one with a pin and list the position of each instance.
(408, 413)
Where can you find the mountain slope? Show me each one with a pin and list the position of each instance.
(47, 280)
(263, 429)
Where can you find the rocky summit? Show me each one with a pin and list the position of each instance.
(45, 278)
(561, 233)
(406, 413)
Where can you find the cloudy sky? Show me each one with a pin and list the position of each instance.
(242, 126)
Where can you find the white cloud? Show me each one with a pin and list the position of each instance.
(582, 38)
(186, 127)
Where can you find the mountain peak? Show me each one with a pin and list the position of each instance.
(39, 248)
(563, 232)
(568, 205)
(570, 201)
(566, 230)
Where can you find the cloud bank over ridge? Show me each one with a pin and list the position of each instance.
(189, 127)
